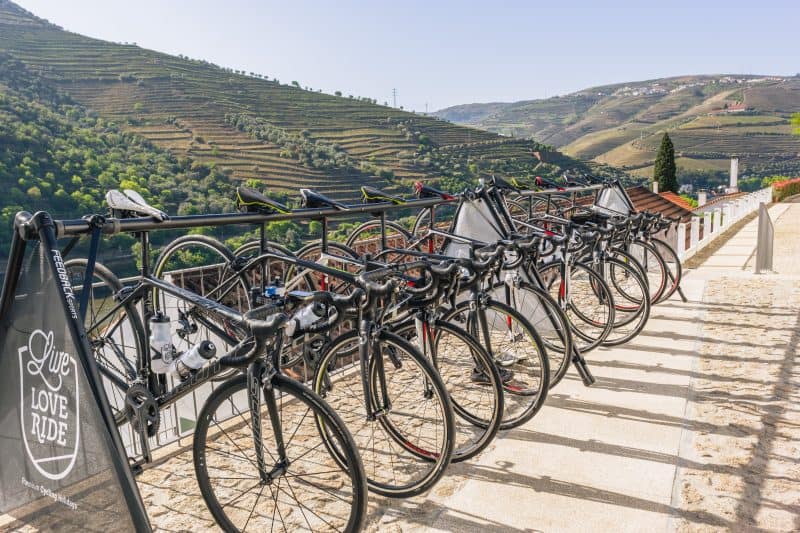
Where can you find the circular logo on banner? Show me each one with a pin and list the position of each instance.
(49, 405)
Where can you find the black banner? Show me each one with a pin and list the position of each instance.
(61, 466)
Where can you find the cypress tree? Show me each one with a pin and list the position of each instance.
(664, 171)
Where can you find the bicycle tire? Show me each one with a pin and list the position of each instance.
(523, 399)
(586, 339)
(117, 376)
(629, 309)
(430, 459)
(473, 431)
(652, 265)
(353, 471)
(556, 337)
(673, 264)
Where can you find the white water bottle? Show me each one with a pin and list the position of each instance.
(305, 317)
(193, 359)
(161, 341)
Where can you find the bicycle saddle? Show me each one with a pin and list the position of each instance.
(425, 191)
(521, 183)
(251, 201)
(371, 195)
(502, 184)
(543, 183)
(130, 203)
(315, 200)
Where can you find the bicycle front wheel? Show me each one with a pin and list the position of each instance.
(472, 380)
(586, 300)
(405, 432)
(307, 488)
(512, 342)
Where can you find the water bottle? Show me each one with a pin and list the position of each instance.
(275, 290)
(193, 359)
(161, 342)
(304, 317)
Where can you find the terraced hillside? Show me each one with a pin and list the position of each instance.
(710, 119)
(331, 143)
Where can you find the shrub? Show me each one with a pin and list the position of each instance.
(785, 189)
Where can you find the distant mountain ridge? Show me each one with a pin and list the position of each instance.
(710, 117)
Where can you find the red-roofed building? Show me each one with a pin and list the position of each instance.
(676, 199)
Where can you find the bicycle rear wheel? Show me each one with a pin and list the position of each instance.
(674, 268)
(206, 267)
(653, 267)
(547, 319)
(368, 236)
(310, 491)
(117, 339)
(631, 300)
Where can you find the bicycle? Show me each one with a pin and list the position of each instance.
(242, 447)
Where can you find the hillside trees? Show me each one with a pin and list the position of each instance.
(54, 156)
(664, 171)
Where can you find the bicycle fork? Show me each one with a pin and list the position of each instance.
(259, 379)
(368, 349)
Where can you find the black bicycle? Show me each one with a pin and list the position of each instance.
(260, 457)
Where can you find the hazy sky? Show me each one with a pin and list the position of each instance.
(448, 52)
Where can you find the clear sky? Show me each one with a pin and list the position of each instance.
(448, 52)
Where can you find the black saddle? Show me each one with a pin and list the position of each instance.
(545, 183)
(502, 184)
(315, 200)
(371, 195)
(251, 201)
(424, 191)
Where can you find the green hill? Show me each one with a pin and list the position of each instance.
(710, 119)
(249, 127)
(56, 156)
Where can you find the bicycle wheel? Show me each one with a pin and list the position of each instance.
(117, 338)
(547, 319)
(472, 381)
(405, 436)
(368, 237)
(337, 256)
(509, 338)
(653, 266)
(631, 300)
(674, 268)
(263, 273)
(422, 223)
(588, 303)
(204, 266)
(307, 489)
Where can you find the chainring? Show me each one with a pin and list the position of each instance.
(139, 401)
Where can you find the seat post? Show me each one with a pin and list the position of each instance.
(324, 235)
(432, 238)
(383, 230)
(265, 265)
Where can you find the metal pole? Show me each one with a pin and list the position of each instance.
(766, 236)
